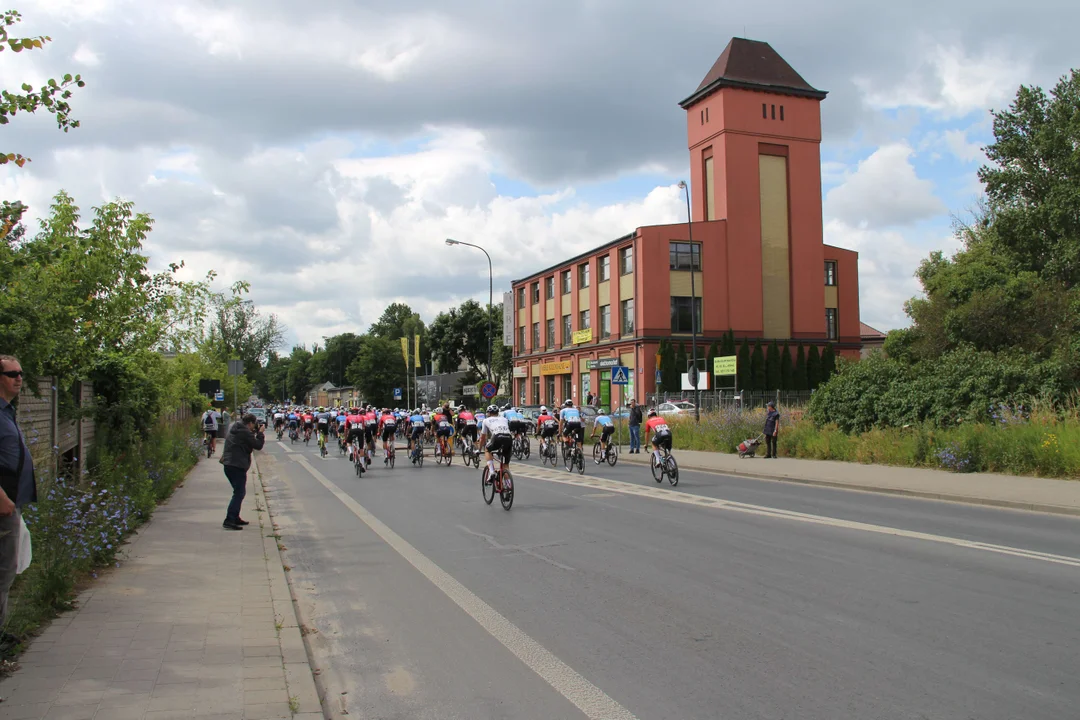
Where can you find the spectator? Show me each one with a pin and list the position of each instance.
(635, 427)
(772, 429)
(589, 398)
(243, 437)
(17, 483)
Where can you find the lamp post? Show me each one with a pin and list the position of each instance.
(694, 376)
(491, 291)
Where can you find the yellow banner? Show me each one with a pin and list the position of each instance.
(557, 368)
(724, 365)
(416, 351)
(582, 336)
(405, 351)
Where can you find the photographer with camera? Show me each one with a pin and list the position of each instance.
(243, 438)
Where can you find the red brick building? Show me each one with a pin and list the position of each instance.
(760, 265)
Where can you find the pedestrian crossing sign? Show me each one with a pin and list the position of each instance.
(620, 375)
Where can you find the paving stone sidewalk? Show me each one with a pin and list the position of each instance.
(1010, 491)
(197, 622)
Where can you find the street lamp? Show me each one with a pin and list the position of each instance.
(491, 290)
(694, 378)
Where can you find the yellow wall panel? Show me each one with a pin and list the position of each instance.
(583, 304)
(626, 286)
(603, 293)
(831, 300)
(627, 359)
(549, 309)
(775, 267)
(680, 283)
(567, 304)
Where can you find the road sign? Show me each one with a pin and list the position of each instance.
(620, 375)
(658, 378)
(236, 367)
(725, 365)
(488, 390)
(219, 395)
(693, 373)
(468, 390)
(397, 393)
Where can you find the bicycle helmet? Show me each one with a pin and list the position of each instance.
(652, 412)
(543, 409)
(493, 410)
(568, 403)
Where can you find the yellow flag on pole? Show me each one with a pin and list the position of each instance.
(416, 350)
(405, 350)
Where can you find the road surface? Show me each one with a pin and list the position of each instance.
(604, 595)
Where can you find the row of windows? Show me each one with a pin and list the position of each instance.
(765, 112)
(603, 270)
(626, 314)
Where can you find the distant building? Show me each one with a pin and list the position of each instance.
(872, 339)
(346, 396)
(759, 263)
(319, 395)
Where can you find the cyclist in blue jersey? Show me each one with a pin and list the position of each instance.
(416, 429)
(603, 421)
(570, 422)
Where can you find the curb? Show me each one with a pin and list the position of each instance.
(925, 495)
(299, 677)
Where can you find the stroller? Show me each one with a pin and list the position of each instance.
(748, 448)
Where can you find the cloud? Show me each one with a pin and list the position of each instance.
(884, 191)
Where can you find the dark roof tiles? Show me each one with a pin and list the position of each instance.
(753, 64)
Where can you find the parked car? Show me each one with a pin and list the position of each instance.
(675, 408)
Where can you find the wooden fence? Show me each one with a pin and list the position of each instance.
(55, 441)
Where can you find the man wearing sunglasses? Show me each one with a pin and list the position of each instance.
(17, 485)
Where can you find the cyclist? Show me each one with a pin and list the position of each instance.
(387, 428)
(444, 430)
(322, 421)
(416, 431)
(603, 420)
(338, 427)
(354, 433)
(547, 427)
(496, 432)
(570, 422)
(466, 426)
(279, 421)
(210, 427)
(309, 424)
(371, 429)
(294, 422)
(516, 421)
(661, 434)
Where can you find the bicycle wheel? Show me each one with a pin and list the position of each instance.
(596, 450)
(528, 451)
(580, 461)
(450, 457)
(672, 470)
(657, 470)
(487, 487)
(506, 497)
(392, 456)
(420, 457)
(568, 459)
(612, 454)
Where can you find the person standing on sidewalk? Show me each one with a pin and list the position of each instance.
(772, 429)
(243, 437)
(17, 483)
(635, 426)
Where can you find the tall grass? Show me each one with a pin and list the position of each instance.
(1043, 441)
(79, 524)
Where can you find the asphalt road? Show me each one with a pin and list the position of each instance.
(604, 595)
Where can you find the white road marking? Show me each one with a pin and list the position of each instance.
(659, 493)
(591, 700)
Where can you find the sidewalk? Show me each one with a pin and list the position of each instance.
(197, 622)
(1010, 491)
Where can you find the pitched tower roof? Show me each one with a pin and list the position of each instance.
(753, 65)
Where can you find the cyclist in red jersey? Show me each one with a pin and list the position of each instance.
(466, 425)
(661, 434)
(547, 426)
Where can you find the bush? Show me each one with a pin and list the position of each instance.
(79, 524)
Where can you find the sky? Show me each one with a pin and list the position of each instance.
(323, 151)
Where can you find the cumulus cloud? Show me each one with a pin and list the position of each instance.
(884, 191)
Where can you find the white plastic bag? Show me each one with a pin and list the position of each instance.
(24, 548)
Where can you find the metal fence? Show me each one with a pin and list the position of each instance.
(723, 399)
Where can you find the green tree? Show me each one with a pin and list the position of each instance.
(334, 358)
(378, 369)
(461, 335)
(681, 366)
(727, 347)
(787, 380)
(798, 379)
(1033, 181)
(828, 363)
(772, 367)
(669, 375)
(298, 379)
(53, 95)
(743, 367)
(813, 368)
(714, 352)
(757, 368)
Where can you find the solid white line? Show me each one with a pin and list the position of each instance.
(591, 700)
(659, 493)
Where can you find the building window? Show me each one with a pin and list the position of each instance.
(521, 298)
(567, 386)
(702, 117)
(551, 333)
(626, 260)
(706, 114)
(605, 322)
(565, 282)
(583, 320)
(603, 268)
(773, 112)
(830, 273)
(583, 275)
(764, 111)
(832, 329)
(681, 322)
(536, 390)
(684, 257)
(628, 317)
(550, 389)
(521, 340)
(535, 292)
(536, 336)
(710, 193)
(549, 287)
(567, 331)
(781, 113)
